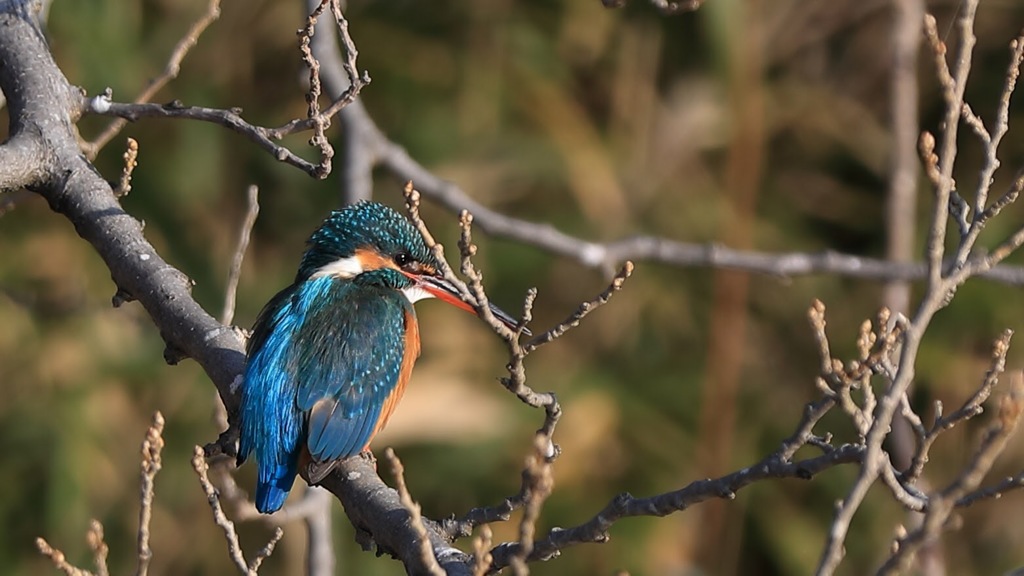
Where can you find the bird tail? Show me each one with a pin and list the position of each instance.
(275, 481)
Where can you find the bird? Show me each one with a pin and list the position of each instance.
(330, 355)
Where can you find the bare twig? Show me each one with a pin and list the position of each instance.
(266, 551)
(170, 72)
(231, 119)
(473, 293)
(1002, 124)
(319, 123)
(426, 552)
(131, 155)
(244, 233)
(152, 446)
(941, 505)
(58, 559)
(607, 256)
(538, 489)
(953, 88)
(993, 492)
(971, 407)
(663, 6)
(94, 537)
(316, 120)
(457, 528)
(625, 505)
(227, 526)
(339, 67)
(338, 73)
(940, 286)
(585, 308)
(481, 551)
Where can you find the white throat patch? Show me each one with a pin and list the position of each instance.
(345, 268)
(416, 293)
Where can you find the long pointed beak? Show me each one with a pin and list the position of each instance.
(443, 290)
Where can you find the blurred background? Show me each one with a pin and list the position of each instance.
(762, 125)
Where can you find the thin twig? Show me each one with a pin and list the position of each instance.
(663, 6)
(266, 551)
(94, 537)
(355, 81)
(152, 446)
(625, 505)
(993, 492)
(942, 504)
(60, 562)
(230, 119)
(235, 272)
(970, 408)
(940, 286)
(472, 291)
(415, 517)
(481, 551)
(539, 488)
(483, 515)
(585, 308)
(1002, 124)
(131, 155)
(91, 149)
(234, 549)
(319, 122)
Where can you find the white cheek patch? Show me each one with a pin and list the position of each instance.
(341, 268)
(415, 293)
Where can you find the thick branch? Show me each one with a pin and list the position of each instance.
(382, 520)
(43, 108)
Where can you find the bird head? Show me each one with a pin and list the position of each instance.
(368, 239)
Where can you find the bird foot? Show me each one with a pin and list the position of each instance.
(369, 457)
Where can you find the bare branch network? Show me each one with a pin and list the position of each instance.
(44, 155)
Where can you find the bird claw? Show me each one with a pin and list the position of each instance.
(369, 457)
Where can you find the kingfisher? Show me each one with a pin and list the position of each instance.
(330, 355)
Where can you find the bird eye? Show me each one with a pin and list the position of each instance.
(402, 258)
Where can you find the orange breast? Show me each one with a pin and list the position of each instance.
(412, 352)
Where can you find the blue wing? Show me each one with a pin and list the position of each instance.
(270, 424)
(323, 358)
(349, 358)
